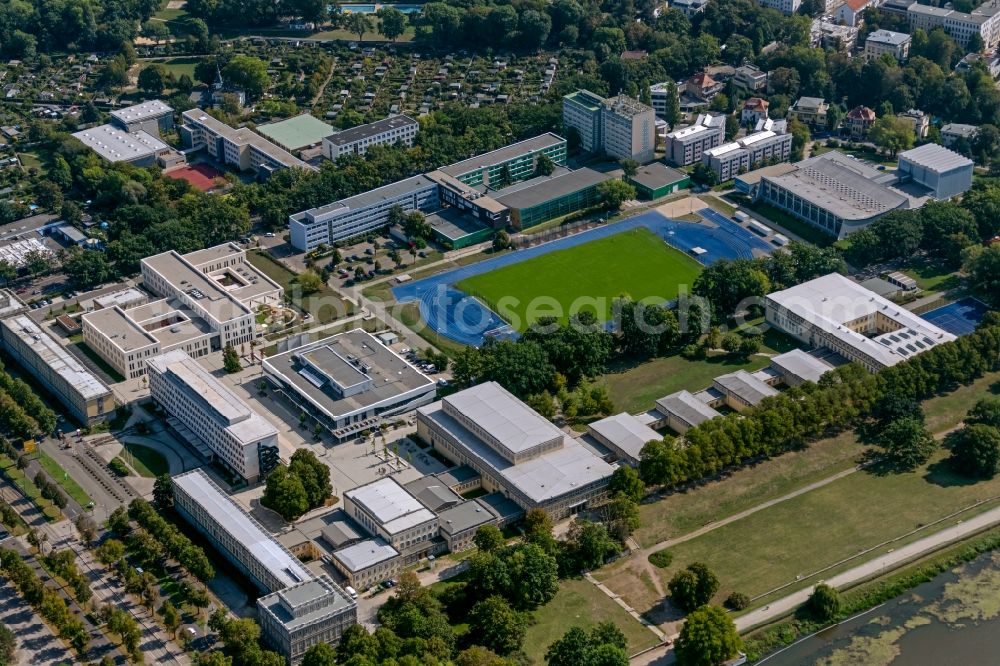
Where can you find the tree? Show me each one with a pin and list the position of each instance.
(48, 195)
(231, 359)
(693, 587)
(154, 78)
(800, 137)
(626, 480)
(495, 625)
(110, 551)
(391, 23)
(727, 285)
(359, 24)
(672, 105)
(489, 538)
(8, 645)
(309, 282)
(86, 268)
(163, 492)
(321, 654)
(975, 450)
(249, 74)
(708, 638)
(892, 134)
(983, 269)
(985, 412)
(613, 193)
(825, 603)
(907, 443)
(605, 645)
(285, 494)
(171, 618)
(544, 166)
(629, 166)
(37, 262)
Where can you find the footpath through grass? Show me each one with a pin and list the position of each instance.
(817, 529)
(580, 604)
(586, 277)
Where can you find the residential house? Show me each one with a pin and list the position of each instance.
(849, 13)
(754, 110)
(810, 111)
(858, 121)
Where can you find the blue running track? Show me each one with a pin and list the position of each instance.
(960, 318)
(464, 319)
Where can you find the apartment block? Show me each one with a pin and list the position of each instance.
(770, 143)
(357, 140)
(621, 127)
(686, 146)
(896, 44)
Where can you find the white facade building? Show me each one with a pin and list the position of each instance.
(896, 44)
(357, 140)
(786, 7)
(731, 159)
(241, 147)
(836, 313)
(239, 437)
(686, 146)
(621, 127)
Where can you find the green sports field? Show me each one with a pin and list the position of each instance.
(585, 277)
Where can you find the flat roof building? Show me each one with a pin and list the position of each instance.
(241, 147)
(387, 510)
(836, 313)
(896, 44)
(624, 434)
(548, 198)
(515, 450)
(686, 145)
(367, 562)
(769, 143)
(241, 439)
(944, 172)
(300, 614)
(510, 164)
(349, 382)
(83, 394)
(621, 126)
(116, 145)
(357, 140)
(295, 133)
(683, 410)
(152, 116)
(208, 301)
(656, 180)
(125, 298)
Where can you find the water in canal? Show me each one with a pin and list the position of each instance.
(953, 620)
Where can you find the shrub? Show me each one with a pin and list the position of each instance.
(737, 601)
(118, 467)
(661, 558)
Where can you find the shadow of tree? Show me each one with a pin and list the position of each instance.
(943, 474)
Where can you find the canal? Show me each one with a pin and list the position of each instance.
(953, 619)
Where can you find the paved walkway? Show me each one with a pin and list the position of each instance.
(874, 567)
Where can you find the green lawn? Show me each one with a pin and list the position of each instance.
(580, 604)
(178, 66)
(585, 277)
(811, 531)
(409, 314)
(170, 15)
(59, 475)
(783, 220)
(324, 305)
(931, 276)
(635, 388)
(30, 490)
(719, 205)
(146, 461)
(31, 160)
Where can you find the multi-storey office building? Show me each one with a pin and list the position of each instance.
(357, 140)
(510, 164)
(241, 439)
(731, 159)
(291, 622)
(83, 394)
(960, 26)
(582, 112)
(386, 509)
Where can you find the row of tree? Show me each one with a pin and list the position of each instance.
(173, 543)
(44, 600)
(840, 400)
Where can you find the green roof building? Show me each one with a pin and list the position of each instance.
(658, 180)
(294, 134)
